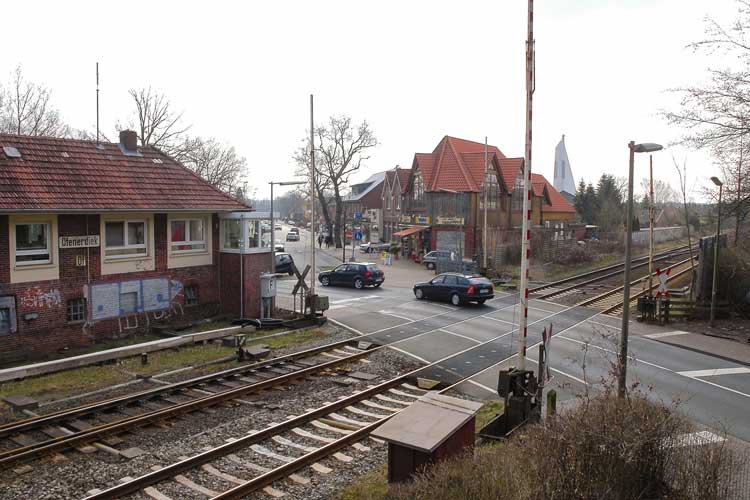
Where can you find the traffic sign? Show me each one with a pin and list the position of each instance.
(357, 216)
(358, 236)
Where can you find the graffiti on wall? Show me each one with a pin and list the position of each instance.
(35, 297)
(134, 303)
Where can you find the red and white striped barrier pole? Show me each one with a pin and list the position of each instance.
(526, 221)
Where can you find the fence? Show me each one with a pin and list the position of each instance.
(547, 244)
(660, 234)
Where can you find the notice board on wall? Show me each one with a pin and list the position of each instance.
(110, 300)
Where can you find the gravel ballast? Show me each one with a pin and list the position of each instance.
(191, 434)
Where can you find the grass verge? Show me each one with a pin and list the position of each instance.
(90, 378)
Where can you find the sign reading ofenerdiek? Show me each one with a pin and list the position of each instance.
(91, 240)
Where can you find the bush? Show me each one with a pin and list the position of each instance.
(605, 448)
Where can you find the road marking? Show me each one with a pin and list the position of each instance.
(343, 325)
(665, 334)
(657, 366)
(606, 325)
(389, 313)
(390, 346)
(459, 335)
(580, 381)
(355, 299)
(500, 320)
(474, 382)
(697, 439)
(715, 372)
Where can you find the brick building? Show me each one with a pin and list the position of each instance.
(365, 198)
(392, 196)
(99, 240)
(443, 200)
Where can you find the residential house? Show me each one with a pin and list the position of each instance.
(394, 187)
(100, 240)
(366, 198)
(444, 199)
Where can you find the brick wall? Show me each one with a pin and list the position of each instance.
(253, 265)
(50, 330)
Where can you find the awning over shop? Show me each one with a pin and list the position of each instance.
(410, 230)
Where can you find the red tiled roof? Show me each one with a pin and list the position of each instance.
(403, 177)
(556, 201)
(455, 165)
(70, 175)
(509, 168)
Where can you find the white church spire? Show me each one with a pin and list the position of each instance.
(563, 174)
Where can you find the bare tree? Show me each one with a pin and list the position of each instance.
(735, 173)
(217, 163)
(159, 125)
(715, 114)
(322, 183)
(664, 194)
(682, 175)
(25, 108)
(343, 147)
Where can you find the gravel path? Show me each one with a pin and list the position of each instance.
(186, 436)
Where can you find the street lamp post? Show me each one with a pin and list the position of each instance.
(623, 354)
(716, 253)
(273, 232)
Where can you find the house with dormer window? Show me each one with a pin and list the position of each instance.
(101, 240)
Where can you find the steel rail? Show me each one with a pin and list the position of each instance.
(193, 462)
(51, 418)
(207, 456)
(643, 292)
(82, 437)
(609, 293)
(601, 270)
(603, 277)
(107, 427)
(283, 471)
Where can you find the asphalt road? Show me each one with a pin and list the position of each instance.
(477, 341)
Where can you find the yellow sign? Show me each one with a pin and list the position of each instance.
(423, 220)
(451, 221)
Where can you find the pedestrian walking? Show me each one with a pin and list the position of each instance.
(320, 241)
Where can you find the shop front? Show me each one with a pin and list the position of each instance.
(416, 237)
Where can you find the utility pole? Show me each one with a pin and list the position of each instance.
(651, 223)
(712, 321)
(526, 216)
(484, 223)
(312, 202)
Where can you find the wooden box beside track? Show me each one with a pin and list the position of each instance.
(433, 428)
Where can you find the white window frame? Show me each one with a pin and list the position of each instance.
(188, 237)
(47, 250)
(126, 245)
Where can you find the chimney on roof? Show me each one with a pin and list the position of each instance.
(129, 140)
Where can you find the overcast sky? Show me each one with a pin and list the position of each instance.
(415, 70)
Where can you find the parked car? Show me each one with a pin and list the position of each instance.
(290, 236)
(456, 288)
(354, 274)
(430, 259)
(374, 247)
(284, 263)
(278, 246)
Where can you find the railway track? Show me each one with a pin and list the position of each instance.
(612, 300)
(353, 418)
(77, 427)
(235, 463)
(574, 283)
